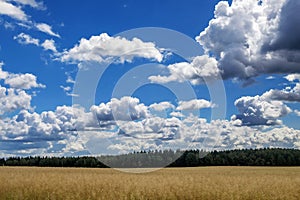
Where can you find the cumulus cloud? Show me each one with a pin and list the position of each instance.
(288, 32)
(293, 77)
(259, 110)
(23, 81)
(56, 131)
(125, 109)
(271, 105)
(243, 40)
(194, 104)
(216, 135)
(202, 69)
(13, 95)
(12, 100)
(104, 48)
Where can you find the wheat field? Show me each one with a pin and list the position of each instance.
(171, 183)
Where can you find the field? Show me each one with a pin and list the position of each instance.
(172, 183)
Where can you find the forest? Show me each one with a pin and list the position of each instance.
(168, 158)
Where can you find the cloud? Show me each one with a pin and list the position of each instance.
(270, 78)
(12, 11)
(293, 77)
(15, 97)
(49, 45)
(259, 110)
(56, 131)
(104, 48)
(19, 81)
(125, 109)
(161, 106)
(288, 94)
(32, 3)
(271, 105)
(177, 114)
(297, 112)
(23, 38)
(288, 32)
(200, 70)
(68, 91)
(23, 81)
(12, 100)
(194, 104)
(46, 29)
(242, 41)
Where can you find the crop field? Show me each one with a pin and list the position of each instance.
(170, 183)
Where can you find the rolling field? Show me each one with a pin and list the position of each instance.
(172, 183)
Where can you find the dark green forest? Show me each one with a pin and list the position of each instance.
(169, 158)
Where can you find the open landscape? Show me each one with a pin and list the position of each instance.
(195, 99)
(169, 183)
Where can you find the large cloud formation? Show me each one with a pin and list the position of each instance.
(137, 128)
(244, 40)
(247, 36)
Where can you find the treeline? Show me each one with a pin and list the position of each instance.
(169, 158)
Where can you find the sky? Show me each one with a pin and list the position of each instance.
(110, 77)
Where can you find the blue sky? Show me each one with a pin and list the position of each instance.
(245, 53)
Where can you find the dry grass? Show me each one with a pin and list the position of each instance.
(177, 183)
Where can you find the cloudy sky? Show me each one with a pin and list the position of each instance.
(108, 77)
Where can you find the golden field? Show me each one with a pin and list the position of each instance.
(170, 183)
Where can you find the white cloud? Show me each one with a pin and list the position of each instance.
(23, 38)
(12, 100)
(12, 11)
(104, 48)
(176, 114)
(31, 3)
(3, 74)
(68, 91)
(56, 132)
(194, 104)
(125, 109)
(23, 81)
(202, 69)
(161, 106)
(46, 29)
(66, 88)
(49, 45)
(292, 77)
(297, 112)
(15, 97)
(270, 78)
